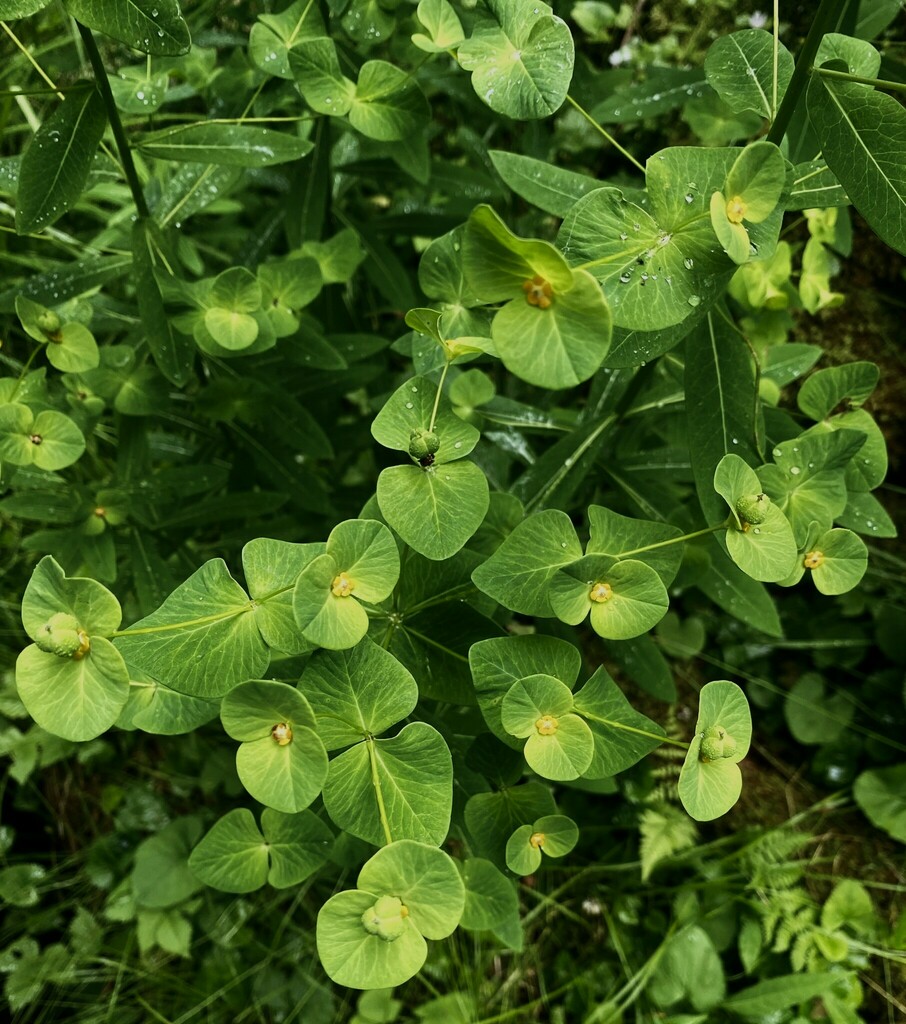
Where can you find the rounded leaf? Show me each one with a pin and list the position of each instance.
(285, 772)
(354, 957)
(325, 607)
(51, 591)
(76, 698)
(533, 700)
(523, 857)
(837, 561)
(424, 879)
(232, 856)
(366, 553)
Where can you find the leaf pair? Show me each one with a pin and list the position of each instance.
(750, 195)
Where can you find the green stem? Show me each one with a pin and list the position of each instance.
(378, 792)
(25, 370)
(776, 28)
(606, 134)
(119, 133)
(878, 83)
(440, 388)
(674, 540)
(631, 728)
(825, 20)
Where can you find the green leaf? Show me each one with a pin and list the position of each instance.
(690, 969)
(409, 409)
(387, 105)
(815, 187)
(316, 69)
(136, 92)
(824, 390)
(155, 708)
(50, 591)
(738, 594)
(71, 348)
(48, 440)
(491, 818)
(558, 346)
(413, 774)
(762, 546)
(424, 878)
(624, 598)
(814, 715)
(498, 264)
(559, 745)
(281, 761)
(777, 994)
(881, 793)
(55, 165)
(13, 9)
(498, 663)
(229, 145)
(523, 857)
(297, 844)
(860, 57)
(740, 69)
(619, 730)
(519, 572)
(620, 536)
(77, 699)
(862, 134)
(233, 854)
(434, 510)
(161, 876)
(521, 63)
(152, 26)
(837, 561)
(203, 639)
(271, 569)
(358, 693)
(356, 958)
(173, 353)
(490, 898)
(709, 787)
(664, 831)
(850, 905)
(443, 26)
(552, 189)
(273, 36)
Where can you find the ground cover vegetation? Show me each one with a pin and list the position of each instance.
(449, 562)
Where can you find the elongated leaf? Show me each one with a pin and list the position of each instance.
(663, 90)
(550, 188)
(173, 352)
(739, 595)
(12, 9)
(862, 134)
(720, 406)
(55, 165)
(231, 145)
(152, 26)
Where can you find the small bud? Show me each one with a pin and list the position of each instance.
(49, 323)
(422, 443)
(386, 919)
(62, 636)
(717, 744)
(282, 734)
(36, 438)
(813, 560)
(342, 586)
(536, 839)
(547, 725)
(600, 593)
(753, 508)
(736, 210)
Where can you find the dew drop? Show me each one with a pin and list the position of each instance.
(408, 405)
(688, 263)
(795, 471)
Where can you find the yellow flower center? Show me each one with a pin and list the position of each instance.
(536, 839)
(84, 646)
(547, 725)
(342, 586)
(538, 292)
(282, 734)
(600, 593)
(736, 210)
(813, 559)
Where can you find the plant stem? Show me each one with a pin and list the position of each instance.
(440, 388)
(606, 134)
(378, 792)
(776, 28)
(878, 83)
(674, 540)
(119, 133)
(825, 19)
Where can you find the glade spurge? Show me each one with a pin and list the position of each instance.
(382, 632)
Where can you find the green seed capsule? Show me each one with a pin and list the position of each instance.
(49, 322)
(62, 636)
(717, 744)
(386, 919)
(422, 443)
(753, 508)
